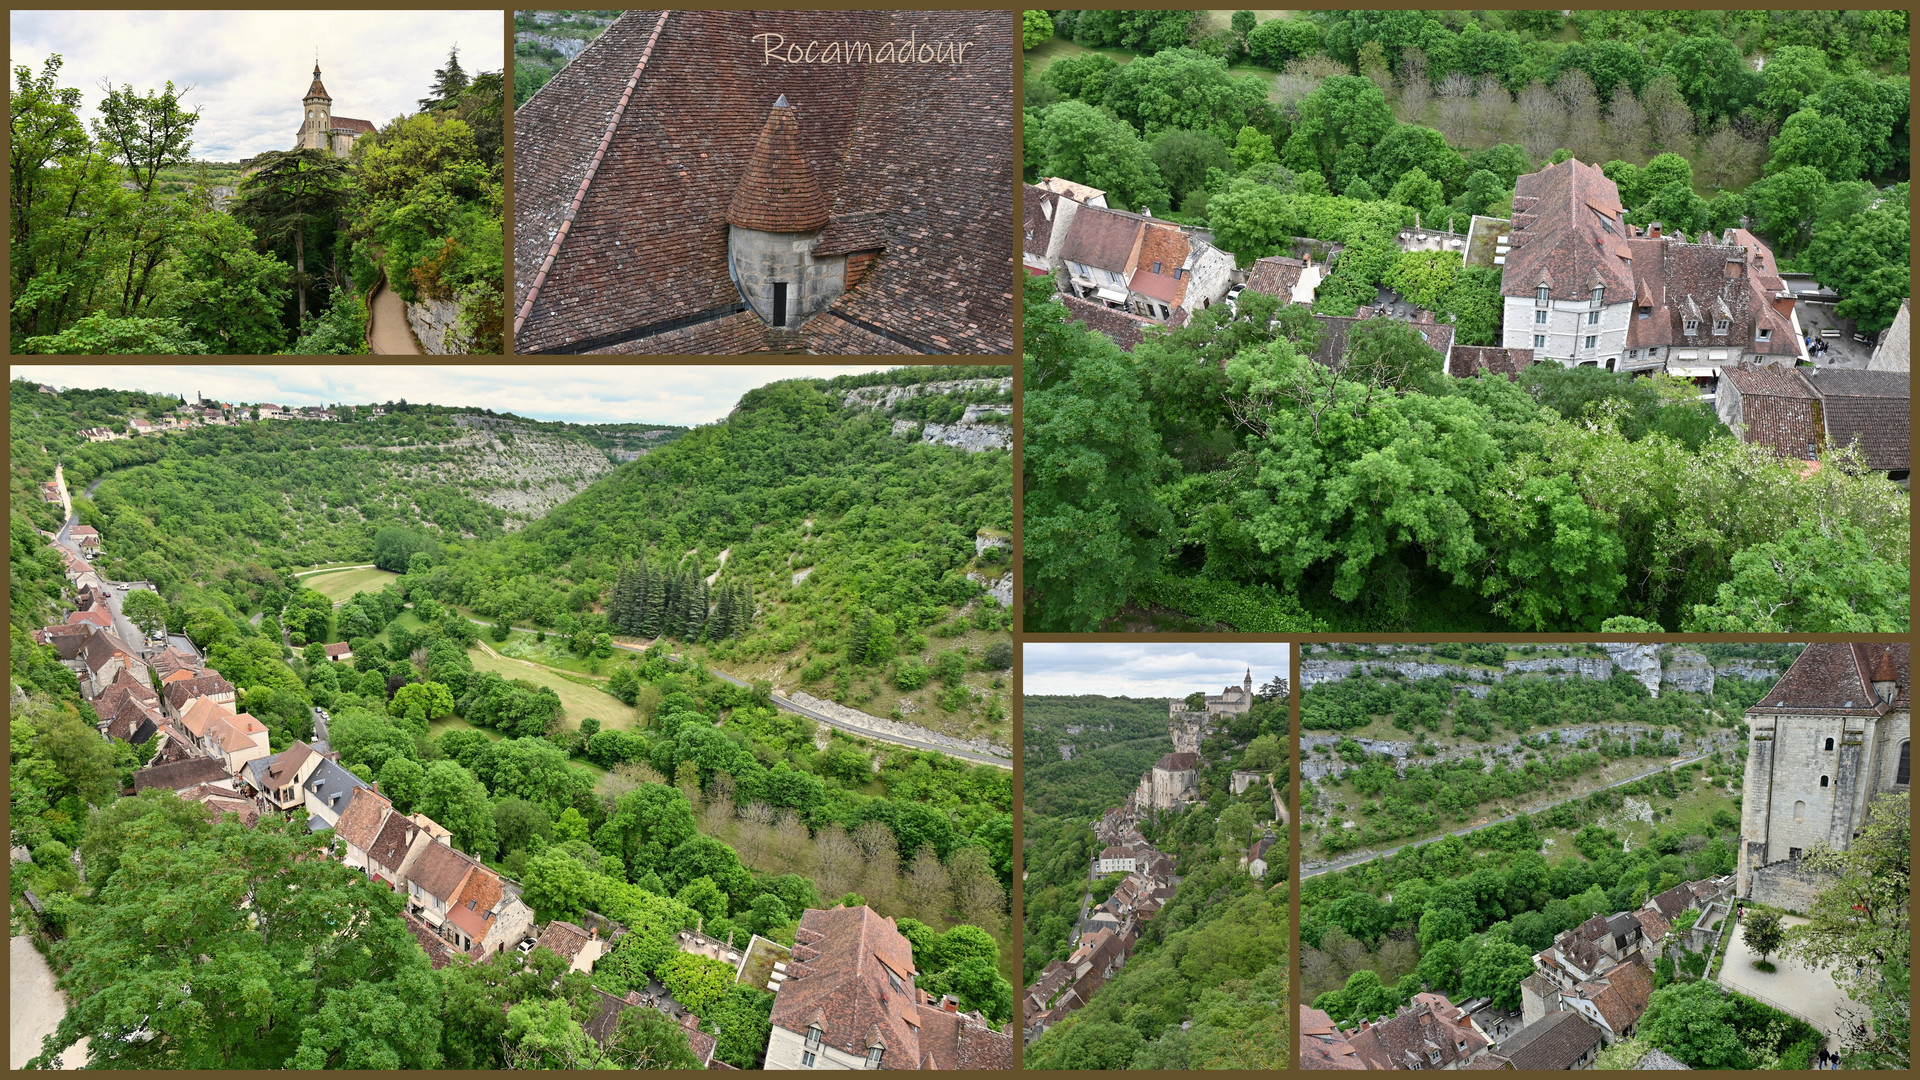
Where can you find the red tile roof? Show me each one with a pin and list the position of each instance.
(1168, 249)
(1468, 360)
(1104, 239)
(1568, 234)
(1276, 275)
(624, 173)
(441, 871)
(777, 191)
(472, 909)
(1870, 407)
(210, 685)
(317, 90)
(1322, 1046)
(1122, 328)
(358, 127)
(95, 616)
(852, 974)
(1834, 677)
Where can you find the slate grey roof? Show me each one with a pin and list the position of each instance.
(333, 784)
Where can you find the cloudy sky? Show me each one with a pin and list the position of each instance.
(1152, 669)
(598, 394)
(249, 69)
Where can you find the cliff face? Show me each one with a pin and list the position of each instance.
(1684, 669)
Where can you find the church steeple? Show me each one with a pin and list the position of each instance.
(1247, 684)
(317, 91)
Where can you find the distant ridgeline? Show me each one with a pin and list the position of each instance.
(809, 505)
(214, 496)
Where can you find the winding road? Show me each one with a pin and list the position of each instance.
(1369, 856)
(793, 707)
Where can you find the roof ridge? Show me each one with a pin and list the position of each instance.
(593, 167)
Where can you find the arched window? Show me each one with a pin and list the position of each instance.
(1900, 777)
(1800, 810)
(1829, 744)
(1823, 781)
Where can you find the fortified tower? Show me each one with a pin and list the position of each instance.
(1834, 732)
(317, 124)
(773, 224)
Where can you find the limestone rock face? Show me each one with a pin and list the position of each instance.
(1689, 671)
(1000, 589)
(437, 324)
(1640, 661)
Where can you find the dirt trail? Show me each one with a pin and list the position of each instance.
(387, 325)
(36, 1007)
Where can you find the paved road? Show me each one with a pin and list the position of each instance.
(792, 707)
(333, 569)
(1357, 859)
(35, 1007)
(387, 325)
(320, 725)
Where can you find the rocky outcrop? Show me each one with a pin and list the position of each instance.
(886, 397)
(895, 729)
(971, 437)
(1000, 588)
(1688, 671)
(1640, 661)
(1316, 766)
(436, 323)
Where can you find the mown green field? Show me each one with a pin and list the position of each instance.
(345, 584)
(579, 701)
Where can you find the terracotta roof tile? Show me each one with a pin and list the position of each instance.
(183, 774)
(1122, 328)
(1834, 677)
(395, 840)
(360, 822)
(472, 910)
(1555, 1041)
(852, 974)
(441, 871)
(178, 694)
(1871, 407)
(647, 244)
(1166, 248)
(777, 191)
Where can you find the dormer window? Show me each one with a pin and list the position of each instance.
(813, 1036)
(1156, 267)
(1690, 326)
(1720, 326)
(1540, 296)
(873, 1056)
(894, 980)
(1598, 292)
(1764, 335)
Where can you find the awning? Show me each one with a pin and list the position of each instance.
(1694, 371)
(1118, 296)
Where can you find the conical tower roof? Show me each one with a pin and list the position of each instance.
(777, 193)
(316, 90)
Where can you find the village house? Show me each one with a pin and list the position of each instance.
(1322, 1046)
(1561, 1040)
(1429, 1033)
(1080, 193)
(100, 617)
(180, 696)
(1256, 859)
(87, 539)
(463, 902)
(1797, 412)
(231, 738)
(573, 943)
(50, 492)
(1113, 859)
(327, 790)
(359, 825)
(103, 658)
(339, 652)
(1582, 287)
(1294, 281)
(180, 776)
(849, 1002)
(278, 781)
(399, 845)
(606, 1024)
(99, 434)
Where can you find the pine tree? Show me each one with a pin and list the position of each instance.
(447, 83)
(653, 616)
(857, 636)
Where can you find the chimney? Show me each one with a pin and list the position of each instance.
(1653, 231)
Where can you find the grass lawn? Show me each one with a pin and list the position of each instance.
(579, 701)
(436, 728)
(552, 653)
(343, 584)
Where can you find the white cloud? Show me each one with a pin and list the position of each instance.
(583, 394)
(249, 69)
(1146, 670)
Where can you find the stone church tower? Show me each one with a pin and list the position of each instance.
(773, 225)
(319, 128)
(1834, 732)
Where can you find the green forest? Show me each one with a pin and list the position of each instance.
(1205, 986)
(1225, 474)
(689, 801)
(545, 41)
(122, 243)
(1413, 798)
(1341, 126)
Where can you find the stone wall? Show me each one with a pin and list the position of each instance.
(762, 258)
(436, 324)
(1786, 885)
(894, 728)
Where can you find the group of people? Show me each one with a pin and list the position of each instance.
(1816, 347)
(1828, 1060)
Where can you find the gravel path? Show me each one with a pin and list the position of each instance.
(388, 322)
(35, 1009)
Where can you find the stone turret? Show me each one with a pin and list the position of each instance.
(317, 121)
(773, 223)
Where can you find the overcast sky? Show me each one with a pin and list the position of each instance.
(581, 394)
(1146, 670)
(249, 69)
